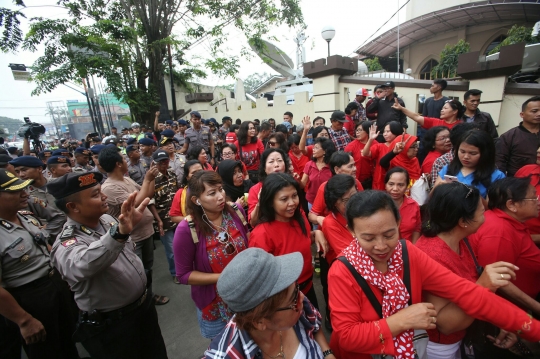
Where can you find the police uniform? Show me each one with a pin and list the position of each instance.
(199, 137)
(137, 172)
(181, 139)
(80, 168)
(25, 272)
(177, 166)
(117, 318)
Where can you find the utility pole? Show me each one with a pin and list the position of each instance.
(173, 96)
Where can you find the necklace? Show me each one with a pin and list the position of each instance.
(281, 354)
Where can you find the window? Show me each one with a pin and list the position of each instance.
(494, 43)
(425, 73)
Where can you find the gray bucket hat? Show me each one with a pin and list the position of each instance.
(255, 275)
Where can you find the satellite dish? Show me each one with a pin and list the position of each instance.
(276, 59)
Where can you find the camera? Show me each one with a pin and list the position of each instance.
(31, 130)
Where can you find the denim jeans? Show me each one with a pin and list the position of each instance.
(209, 328)
(167, 240)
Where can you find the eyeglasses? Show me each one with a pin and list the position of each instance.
(227, 154)
(294, 305)
(414, 146)
(531, 199)
(225, 238)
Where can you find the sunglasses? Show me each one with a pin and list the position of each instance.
(225, 238)
(294, 305)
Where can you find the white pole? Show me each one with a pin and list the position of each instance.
(398, 37)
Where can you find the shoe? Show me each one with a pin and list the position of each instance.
(175, 280)
(160, 299)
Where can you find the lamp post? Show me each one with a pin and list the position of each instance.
(328, 33)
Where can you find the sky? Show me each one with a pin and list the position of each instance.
(354, 21)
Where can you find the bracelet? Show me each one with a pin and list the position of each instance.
(327, 353)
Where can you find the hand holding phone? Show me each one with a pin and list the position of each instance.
(450, 178)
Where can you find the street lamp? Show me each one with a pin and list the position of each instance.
(328, 33)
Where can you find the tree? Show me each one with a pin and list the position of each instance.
(10, 24)
(373, 64)
(11, 124)
(516, 35)
(126, 40)
(448, 61)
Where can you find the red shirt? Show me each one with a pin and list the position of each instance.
(176, 209)
(298, 163)
(410, 218)
(358, 330)
(231, 137)
(349, 126)
(428, 161)
(251, 154)
(309, 151)
(430, 122)
(280, 238)
(364, 165)
(316, 177)
(378, 150)
(503, 238)
(253, 198)
(461, 264)
(337, 234)
(534, 171)
(319, 204)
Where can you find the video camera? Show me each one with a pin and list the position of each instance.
(32, 130)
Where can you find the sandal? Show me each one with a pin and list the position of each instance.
(160, 299)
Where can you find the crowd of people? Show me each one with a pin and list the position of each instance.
(248, 212)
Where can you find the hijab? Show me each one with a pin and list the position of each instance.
(226, 171)
(402, 160)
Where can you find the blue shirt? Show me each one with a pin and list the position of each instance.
(496, 175)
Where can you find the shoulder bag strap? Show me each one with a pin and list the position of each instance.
(192, 229)
(364, 285)
(406, 269)
(479, 268)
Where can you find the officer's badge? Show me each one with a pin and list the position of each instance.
(86, 230)
(69, 242)
(6, 224)
(67, 232)
(10, 175)
(25, 258)
(21, 248)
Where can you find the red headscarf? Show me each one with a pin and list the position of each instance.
(402, 160)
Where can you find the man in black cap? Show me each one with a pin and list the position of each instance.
(338, 134)
(30, 168)
(382, 104)
(95, 255)
(33, 298)
(58, 166)
(199, 135)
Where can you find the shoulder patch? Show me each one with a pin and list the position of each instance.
(41, 202)
(69, 242)
(26, 212)
(6, 224)
(67, 232)
(86, 230)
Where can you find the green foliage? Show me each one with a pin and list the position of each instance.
(373, 64)
(516, 35)
(10, 24)
(448, 61)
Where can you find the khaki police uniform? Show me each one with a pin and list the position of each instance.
(25, 272)
(177, 166)
(82, 169)
(201, 137)
(137, 172)
(52, 218)
(118, 318)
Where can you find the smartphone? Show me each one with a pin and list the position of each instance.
(451, 178)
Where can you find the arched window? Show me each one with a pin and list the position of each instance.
(425, 73)
(494, 43)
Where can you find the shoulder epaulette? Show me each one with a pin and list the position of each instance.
(67, 232)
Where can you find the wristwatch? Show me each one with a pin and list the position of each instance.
(116, 234)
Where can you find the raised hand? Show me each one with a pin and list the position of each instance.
(373, 133)
(306, 121)
(152, 172)
(396, 105)
(129, 215)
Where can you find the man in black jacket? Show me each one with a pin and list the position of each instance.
(471, 100)
(382, 104)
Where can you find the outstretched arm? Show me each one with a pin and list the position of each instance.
(419, 119)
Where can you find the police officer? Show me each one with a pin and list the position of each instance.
(176, 160)
(199, 135)
(58, 166)
(181, 134)
(33, 298)
(146, 145)
(136, 168)
(96, 149)
(82, 158)
(30, 168)
(95, 255)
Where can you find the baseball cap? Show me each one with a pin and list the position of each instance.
(11, 183)
(389, 84)
(255, 275)
(362, 92)
(72, 183)
(160, 156)
(339, 116)
(287, 124)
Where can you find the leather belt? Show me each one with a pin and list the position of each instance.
(117, 314)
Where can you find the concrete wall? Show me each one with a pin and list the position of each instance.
(417, 8)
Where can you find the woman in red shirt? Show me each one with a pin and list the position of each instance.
(178, 206)
(445, 241)
(451, 113)
(376, 150)
(284, 228)
(403, 153)
(364, 165)
(377, 255)
(504, 236)
(273, 160)
(317, 170)
(298, 159)
(350, 112)
(533, 171)
(397, 183)
(198, 153)
(319, 131)
(250, 149)
(437, 142)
